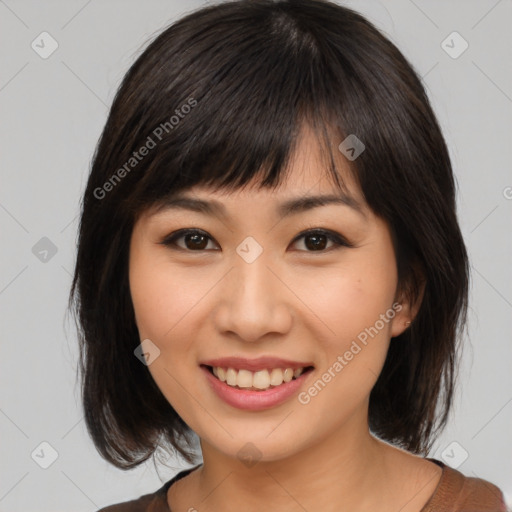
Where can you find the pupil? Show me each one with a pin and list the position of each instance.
(317, 244)
(196, 240)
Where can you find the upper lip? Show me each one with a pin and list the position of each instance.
(260, 363)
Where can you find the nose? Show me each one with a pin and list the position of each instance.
(253, 301)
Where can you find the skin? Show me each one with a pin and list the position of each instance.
(291, 302)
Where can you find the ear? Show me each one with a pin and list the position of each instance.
(409, 305)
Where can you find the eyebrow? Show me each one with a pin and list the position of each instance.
(284, 209)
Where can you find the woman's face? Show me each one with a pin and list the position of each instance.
(249, 287)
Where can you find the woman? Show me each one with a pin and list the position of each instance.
(269, 257)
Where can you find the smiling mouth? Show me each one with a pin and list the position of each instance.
(260, 380)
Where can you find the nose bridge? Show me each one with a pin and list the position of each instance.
(251, 274)
(253, 283)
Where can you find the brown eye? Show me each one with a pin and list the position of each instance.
(193, 240)
(316, 242)
(318, 239)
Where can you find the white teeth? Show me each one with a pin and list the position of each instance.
(231, 377)
(276, 377)
(261, 380)
(244, 379)
(221, 374)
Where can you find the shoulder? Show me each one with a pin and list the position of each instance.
(480, 495)
(459, 493)
(152, 502)
(146, 503)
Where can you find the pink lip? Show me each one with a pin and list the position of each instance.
(254, 400)
(260, 363)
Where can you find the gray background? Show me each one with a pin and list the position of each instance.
(53, 111)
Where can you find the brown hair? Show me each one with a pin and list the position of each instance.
(250, 73)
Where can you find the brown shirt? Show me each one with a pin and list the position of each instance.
(454, 493)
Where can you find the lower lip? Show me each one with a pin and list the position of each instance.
(254, 400)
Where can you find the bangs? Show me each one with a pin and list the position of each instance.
(234, 113)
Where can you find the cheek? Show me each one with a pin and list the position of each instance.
(167, 301)
(356, 302)
(164, 305)
(151, 298)
(160, 298)
(352, 297)
(353, 357)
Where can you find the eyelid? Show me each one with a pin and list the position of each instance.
(338, 240)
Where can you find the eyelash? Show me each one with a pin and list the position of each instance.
(338, 240)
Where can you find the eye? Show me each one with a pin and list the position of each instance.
(194, 239)
(315, 240)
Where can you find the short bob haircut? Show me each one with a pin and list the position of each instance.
(218, 99)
